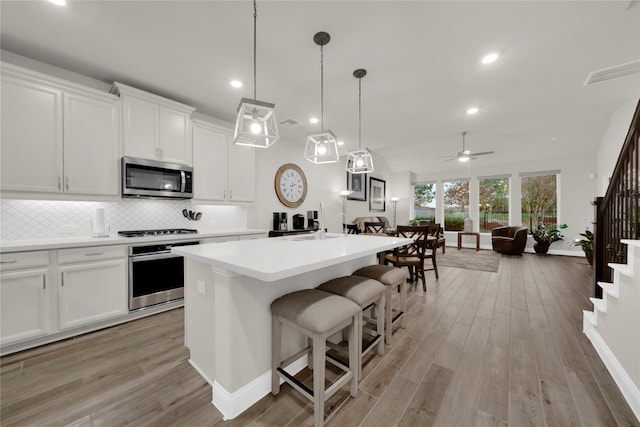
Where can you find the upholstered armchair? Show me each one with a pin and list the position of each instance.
(509, 240)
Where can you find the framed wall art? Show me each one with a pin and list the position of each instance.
(357, 183)
(377, 194)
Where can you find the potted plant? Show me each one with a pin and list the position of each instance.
(545, 235)
(586, 242)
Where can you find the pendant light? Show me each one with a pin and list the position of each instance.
(321, 147)
(360, 160)
(256, 125)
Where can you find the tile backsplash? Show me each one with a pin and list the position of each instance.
(38, 219)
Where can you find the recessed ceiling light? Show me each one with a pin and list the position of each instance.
(472, 110)
(314, 120)
(236, 83)
(59, 2)
(488, 59)
(340, 142)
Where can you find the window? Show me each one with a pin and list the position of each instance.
(456, 204)
(539, 199)
(424, 201)
(494, 202)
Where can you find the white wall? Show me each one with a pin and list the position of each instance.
(324, 185)
(576, 192)
(612, 143)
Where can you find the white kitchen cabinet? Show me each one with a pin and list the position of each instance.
(57, 137)
(91, 149)
(222, 170)
(31, 135)
(92, 290)
(25, 292)
(154, 127)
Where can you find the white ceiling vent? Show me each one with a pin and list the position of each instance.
(613, 72)
(290, 123)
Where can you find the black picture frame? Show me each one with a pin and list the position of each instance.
(377, 194)
(357, 184)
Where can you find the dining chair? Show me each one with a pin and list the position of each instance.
(351, 228)
(411, 256)
(432, 246)
(374, 227)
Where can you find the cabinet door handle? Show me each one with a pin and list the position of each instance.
(230, 195)
(59, 182)
(44, 282)
(224, 194)
(94, 254)
(162, 153)
(67, 182)
(62, 279)
(9, 262)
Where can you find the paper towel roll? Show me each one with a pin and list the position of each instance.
(98, 222)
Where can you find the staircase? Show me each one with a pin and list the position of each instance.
(614, 325)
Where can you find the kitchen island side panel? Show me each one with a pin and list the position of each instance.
(229, 330)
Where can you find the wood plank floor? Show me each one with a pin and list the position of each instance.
(480, 349)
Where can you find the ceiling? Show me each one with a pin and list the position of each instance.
(422, 59)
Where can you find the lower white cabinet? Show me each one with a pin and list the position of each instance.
(24, 304)
(91, 291)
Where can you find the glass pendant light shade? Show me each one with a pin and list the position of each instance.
(360, 160)
(256, 125)
(321, 148)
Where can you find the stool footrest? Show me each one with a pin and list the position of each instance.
(295, 357)
(296, 384)
(397, 314)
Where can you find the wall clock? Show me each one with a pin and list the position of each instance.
(290, 185)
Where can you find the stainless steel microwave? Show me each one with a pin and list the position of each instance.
(151, 178)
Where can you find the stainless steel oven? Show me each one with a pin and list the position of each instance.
(156, 275)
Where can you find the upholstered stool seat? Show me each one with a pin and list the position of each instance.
(367, 294)
(391, 278)
(318, 315)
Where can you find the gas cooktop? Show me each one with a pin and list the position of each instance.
(159, 232)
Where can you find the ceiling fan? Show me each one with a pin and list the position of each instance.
(466, 155)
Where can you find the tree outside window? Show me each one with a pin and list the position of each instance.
(456, 204)
(539, 200)
(424, 201)
(494, 203)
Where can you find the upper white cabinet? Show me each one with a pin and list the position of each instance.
(154, 127)
(223, 171)
(57, 137)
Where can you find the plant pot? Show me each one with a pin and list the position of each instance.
(589, 255)
(541, 248)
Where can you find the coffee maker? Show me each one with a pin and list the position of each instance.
(280, 221)
(312, 220)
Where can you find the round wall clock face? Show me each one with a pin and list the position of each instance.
(290, 185)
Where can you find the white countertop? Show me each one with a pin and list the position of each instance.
(85, 241)
(272, 259)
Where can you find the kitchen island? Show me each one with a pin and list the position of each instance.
(229, 288)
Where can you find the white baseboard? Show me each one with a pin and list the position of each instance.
(233, 404)
(629, 390)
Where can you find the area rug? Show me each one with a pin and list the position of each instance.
(483, 260)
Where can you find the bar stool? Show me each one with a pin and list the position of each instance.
(391, 278)
(366, 293)
(317, 315)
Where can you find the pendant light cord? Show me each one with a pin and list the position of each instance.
(255, 20)
(360, 113)
(322, 88)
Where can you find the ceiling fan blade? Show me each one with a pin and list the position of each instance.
(454, 158)
(484, 153)
(449, 156)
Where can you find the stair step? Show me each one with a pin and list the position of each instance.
(589, 317)
(624, 269)
(599, 304)
(610, 288)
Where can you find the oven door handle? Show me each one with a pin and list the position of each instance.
(152, 257)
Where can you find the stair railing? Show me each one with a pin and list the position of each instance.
(617, 214)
